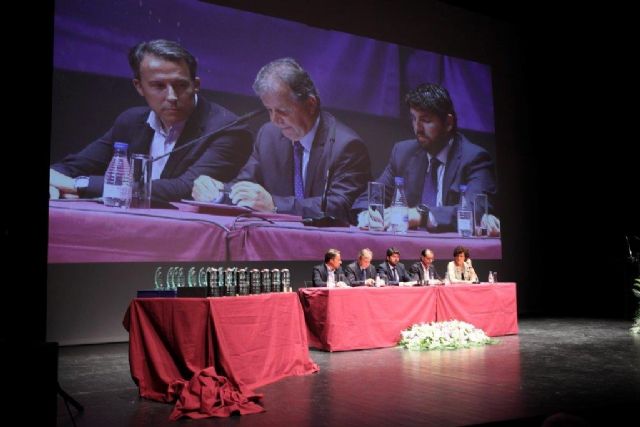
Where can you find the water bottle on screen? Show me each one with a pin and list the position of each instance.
(465, 215)
(399, 222)
(117, 179)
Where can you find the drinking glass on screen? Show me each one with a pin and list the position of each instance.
(141, 181)
(376, 206)
(480, 210)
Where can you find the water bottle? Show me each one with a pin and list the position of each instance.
(378, 282)
(117, 179)
(490, 279)
(399, 222)
(465, 215)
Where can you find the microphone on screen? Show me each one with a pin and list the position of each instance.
(215, 132)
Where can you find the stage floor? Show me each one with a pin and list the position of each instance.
(585, 367)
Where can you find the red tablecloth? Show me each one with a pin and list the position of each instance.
(360, 318)
(251, 340)
(363, 317)
(490, 307)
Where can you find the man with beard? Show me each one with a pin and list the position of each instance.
(434, 165)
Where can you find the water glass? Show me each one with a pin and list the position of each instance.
(376, 206)
(480, 210)
(141, 181)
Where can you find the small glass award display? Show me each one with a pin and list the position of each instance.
(158, 282)
(192, 278)
(202, 277)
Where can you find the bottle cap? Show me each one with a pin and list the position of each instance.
(120, 145)
(399, 180)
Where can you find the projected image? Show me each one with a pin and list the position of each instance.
(273, 116)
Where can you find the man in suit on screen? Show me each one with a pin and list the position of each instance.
(165, 75)
(295, 153)
(434, 165)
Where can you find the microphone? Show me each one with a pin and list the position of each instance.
(215, 132)
(327, 220)
(631, 257)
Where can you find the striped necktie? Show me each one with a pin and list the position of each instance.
(298, 184)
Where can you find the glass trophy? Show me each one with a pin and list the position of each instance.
(169, 278)
(192, 278)
(202, 277)
(157, 279)
(179, 278)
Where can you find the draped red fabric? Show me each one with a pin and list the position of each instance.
(210, 395)
(210, 353)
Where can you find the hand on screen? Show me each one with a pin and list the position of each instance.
(62, 182)
(492, 224)
(363, 220)
(206, 189)
(374, 219)
(54, 193)
(251, 195)
(414, 218)
(370, 220)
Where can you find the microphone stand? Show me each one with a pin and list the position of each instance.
(215, 132)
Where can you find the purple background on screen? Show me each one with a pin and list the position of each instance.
(351, 72)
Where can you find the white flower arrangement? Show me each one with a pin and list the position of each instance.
(443, 336)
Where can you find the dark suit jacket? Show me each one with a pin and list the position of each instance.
(271, 165)
(220, 157)
(320, 275)
(417, 272)
(384, 270)
(354, 274)
(467, 164)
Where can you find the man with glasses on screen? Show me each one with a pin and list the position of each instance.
(296, 153)
(165, 75)
(435, 165)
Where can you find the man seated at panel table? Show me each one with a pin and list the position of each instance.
(434, 166)
(392, 271)
(361, 272)
(165, 75)
(296, 153)
(424, 271)
(330, 274)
